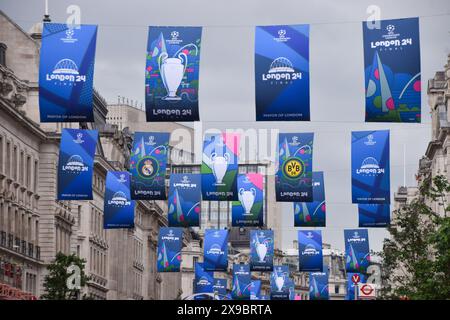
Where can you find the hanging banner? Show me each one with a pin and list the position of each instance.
(66, 72)
(370, 167)
(255, 289)
(220, 167)
(216, 250)
(310, 250)
(261, 250)
(148, 165)
(374, 215)
(118, 207)
(220, 286)
(241, 282)
(171, 73)
(294, 176)
(357, 250)
(351, 276)
(291, 288)
(184, 200)
(282, 73)
(278, 283)
(204, 280)
(312, 214)
(318, 286)
(76, 162)
(392, 70)
(170, 242)
(248, 211)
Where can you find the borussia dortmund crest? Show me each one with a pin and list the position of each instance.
(293, 168)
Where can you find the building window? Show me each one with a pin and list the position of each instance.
(1, 153)
(336, 289)
(3, 48)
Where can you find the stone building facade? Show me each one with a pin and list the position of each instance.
(34, 226)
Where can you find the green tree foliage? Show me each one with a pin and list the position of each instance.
(55, 283)
(416, 257)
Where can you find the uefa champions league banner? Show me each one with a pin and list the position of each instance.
(66, 72)
(293, 181)
(291, 288)
(215, 250)
(351, 286)
(184, 200)
(171, 73)
(312, 214)
(220, 167)
(318, 286)
(255, 289)
(279, 280)
(392, 71)
(310, 250)
(370, 167)
(204, 280)
(282, 73)
(148, 165)
(75, 166)
(248, 211)
(374, 215)
(357, 250)
(241, 282)
(118, 206)
(220, 286)
(261, 250)
(170, 241)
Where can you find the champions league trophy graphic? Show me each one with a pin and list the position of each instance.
(279, 282)
(247, 198)
(219, 167)
(261, 250)
(172, 70)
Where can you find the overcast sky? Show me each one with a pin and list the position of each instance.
(227, 80)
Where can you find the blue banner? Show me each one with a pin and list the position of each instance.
(370, 167)
(374, 215)
(66, 72)
(350, 295)
(310, 250)
(148, 165)
(312, 214)
(248, 211)
(204, 280)
(241, 282)
(255, 290)
(215, 250)
(171, 73)
(170, 242)
(279, 280)
(392, 71)
(282, 73)
(318, 286)
(261, 250)
(293, 181)
(220, 286)
(118, 206)
(357, 250)
(291, 288)
(76, 162)
(220, 167)
(184, 200)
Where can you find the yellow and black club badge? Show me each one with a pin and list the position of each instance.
(293, 168)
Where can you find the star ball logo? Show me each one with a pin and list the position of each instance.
(79, 139)
(356, 237)
(390, 29)
(174, 38)
(370, 141)
(69, 38)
